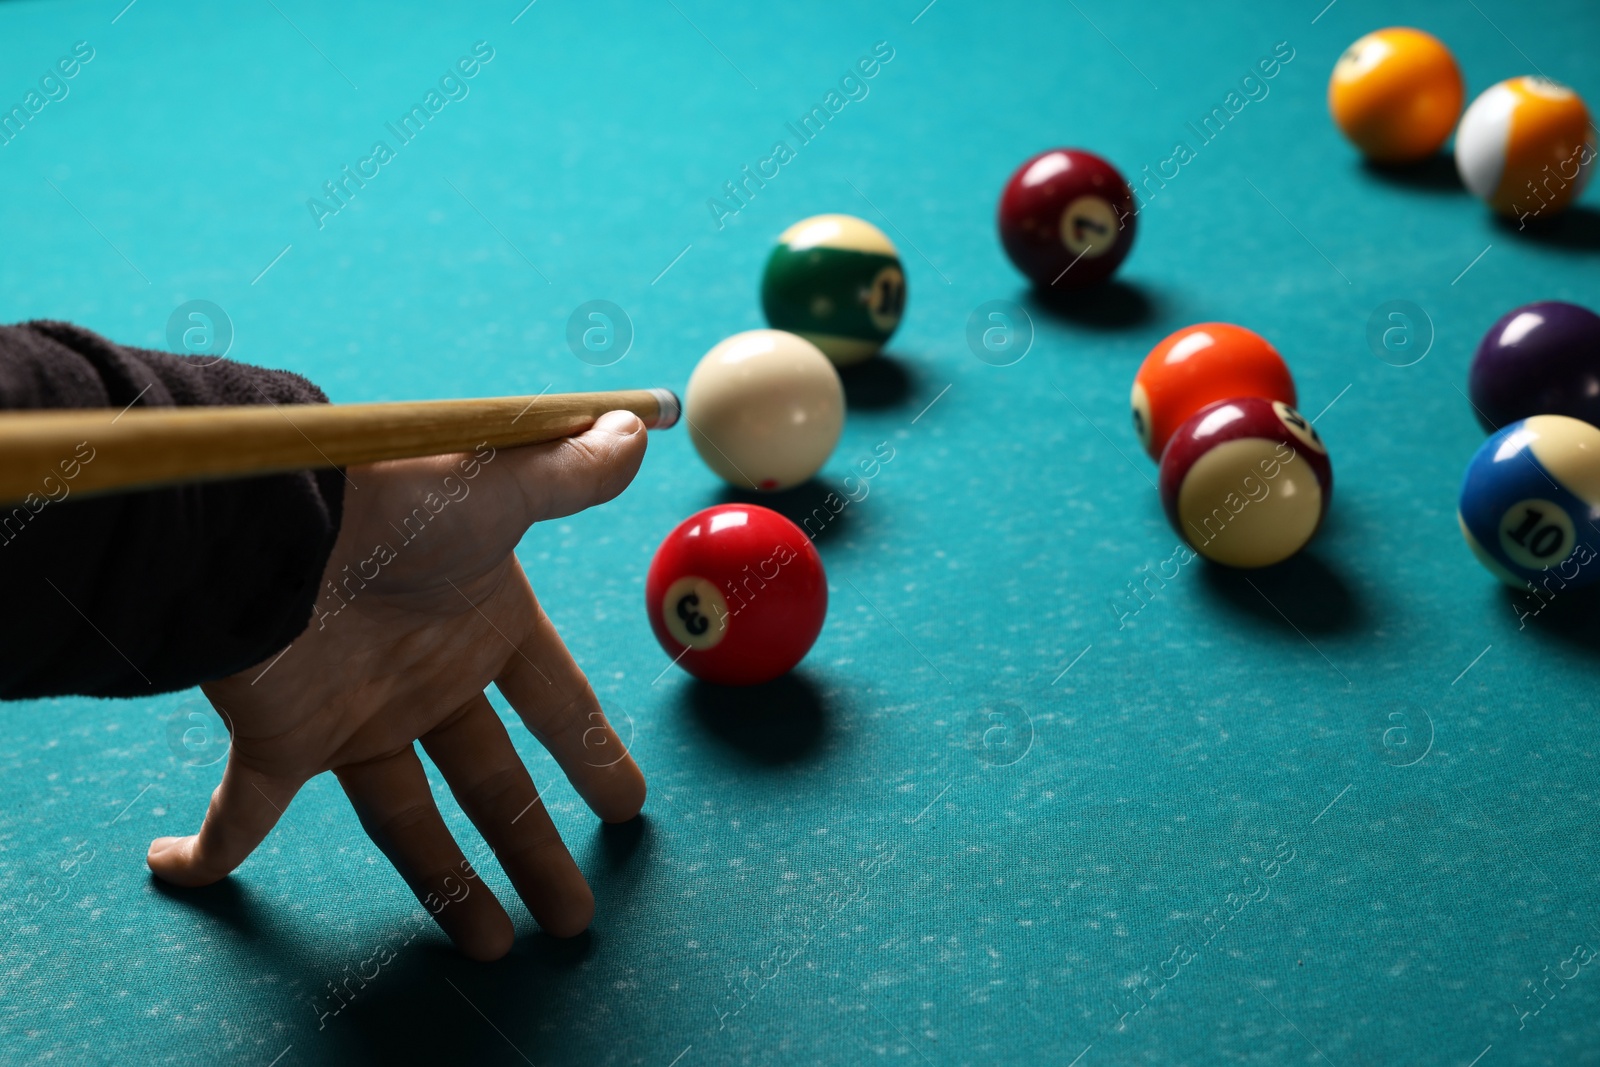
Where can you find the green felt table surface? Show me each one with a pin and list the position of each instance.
(1339, 812)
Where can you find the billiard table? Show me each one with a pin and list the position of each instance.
(1047, 789)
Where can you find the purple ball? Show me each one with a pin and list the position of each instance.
(1539, 359)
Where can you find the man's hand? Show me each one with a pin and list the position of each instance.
(430, 607)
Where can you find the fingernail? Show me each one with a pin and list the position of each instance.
(621, 423)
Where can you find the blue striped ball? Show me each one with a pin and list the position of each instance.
(1530, 502)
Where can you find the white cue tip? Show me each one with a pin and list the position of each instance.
(669, 408)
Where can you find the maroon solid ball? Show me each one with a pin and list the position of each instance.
(1067, 219)
(736, 594)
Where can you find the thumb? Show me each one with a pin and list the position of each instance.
(563, 477)
(244, 809)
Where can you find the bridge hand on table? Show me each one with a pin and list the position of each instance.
(427, 614)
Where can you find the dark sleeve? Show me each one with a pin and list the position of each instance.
(131, 594)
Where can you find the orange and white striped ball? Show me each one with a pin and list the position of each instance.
(1396, 94)
(1526, 147)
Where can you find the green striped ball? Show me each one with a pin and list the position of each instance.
(835, 280)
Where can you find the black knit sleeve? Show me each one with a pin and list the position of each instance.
(137, 593)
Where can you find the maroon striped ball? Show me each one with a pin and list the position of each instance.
(1246, 482)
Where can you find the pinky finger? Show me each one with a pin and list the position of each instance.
(244, 809)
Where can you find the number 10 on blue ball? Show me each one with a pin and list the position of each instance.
(1530, 502)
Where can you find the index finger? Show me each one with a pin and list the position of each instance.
(550, 694)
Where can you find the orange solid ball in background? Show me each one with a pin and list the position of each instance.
(1396, 94)
(1199, 365)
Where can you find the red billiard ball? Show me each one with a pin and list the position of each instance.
(1067, 219)
(736, 594)
(1246, 482)
(1199, 365)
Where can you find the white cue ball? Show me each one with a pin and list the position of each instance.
(764, 409)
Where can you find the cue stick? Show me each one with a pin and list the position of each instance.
(100, 450)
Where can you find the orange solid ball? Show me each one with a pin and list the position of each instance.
(1200, 365)
(1396, 94)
